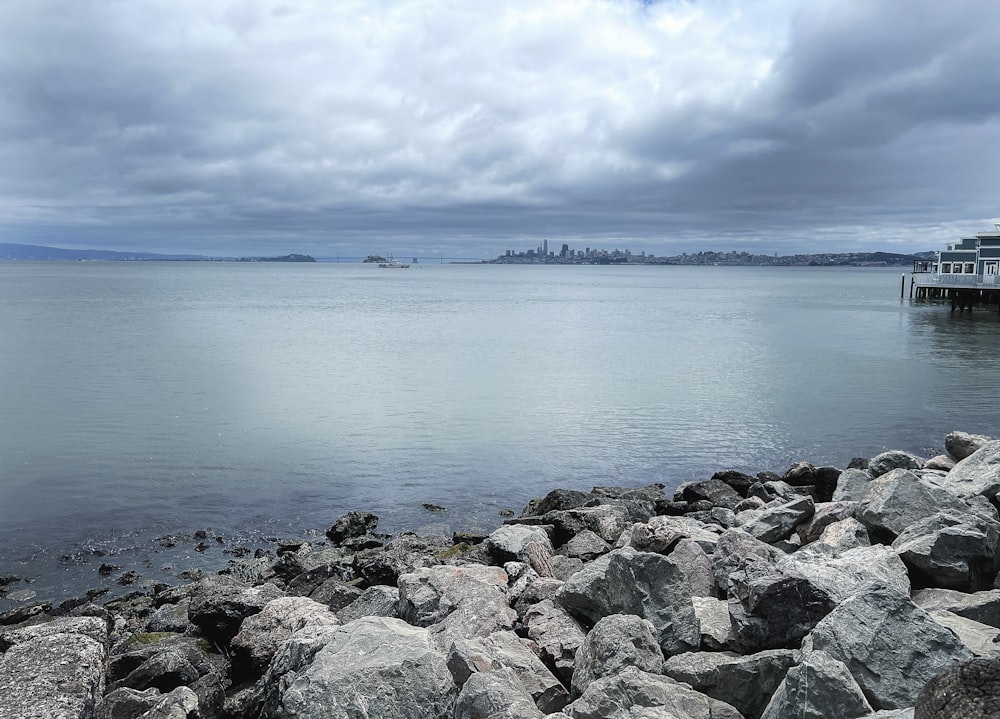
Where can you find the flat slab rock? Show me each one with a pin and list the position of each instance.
(55, 676)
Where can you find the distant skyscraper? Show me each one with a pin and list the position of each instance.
(545, 248)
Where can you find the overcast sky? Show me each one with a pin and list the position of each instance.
(466, 128)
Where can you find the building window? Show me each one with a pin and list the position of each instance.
(970, 268)
(945, 268)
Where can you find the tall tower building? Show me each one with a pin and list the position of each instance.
(545, 248)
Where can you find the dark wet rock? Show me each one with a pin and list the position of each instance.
(739, 481)
(745, 682)
(633, 693)
(335, 594)
(17, 615)
(821, 687)
(962, 444)
(894, 459)
(351, 526)
(555, 500)
(648, 585)
(715, 491)
(403, 554)
(219, 604)
(616, 642)
(890, 646)
(970, 690)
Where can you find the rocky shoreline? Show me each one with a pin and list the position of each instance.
(830, 593)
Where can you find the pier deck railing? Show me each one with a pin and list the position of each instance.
(946, 281)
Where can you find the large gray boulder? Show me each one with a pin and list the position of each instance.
(505, 650)
(851, 485)
(380, 600)
(962, 444)
(981, 607)
(821, 687)
(715, 623)
(607, 521)
(894, 459)
(509, 541)
(840, 536)
(616, 642)
(648, 585)
(557, 635)
(735, 551)
(357, 675)
(773, 606)
(825, 514)
(967, 691)
(955, 551)
(890, 645)
(261, 634)
(899, 499)
(496, 694)
(744, 681)
(776, 523)
(660, 534)
(292, 658)
(635, 694)
(982, 639)
(697, 566)
(219, 604)
(52, 676)
(842, 574)
(458, 601)
(979, 473)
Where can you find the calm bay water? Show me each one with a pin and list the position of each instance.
(144, 399)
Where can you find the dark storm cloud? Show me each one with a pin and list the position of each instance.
(469, 128)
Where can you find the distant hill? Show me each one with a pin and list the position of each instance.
(11, 251)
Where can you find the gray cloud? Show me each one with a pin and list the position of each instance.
(467, 128)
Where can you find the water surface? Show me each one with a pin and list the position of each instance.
(145, 399)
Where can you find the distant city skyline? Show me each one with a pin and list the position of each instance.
(431, 128)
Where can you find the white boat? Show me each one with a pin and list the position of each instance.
(392, 262)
